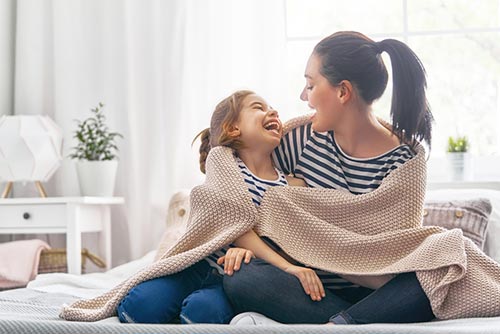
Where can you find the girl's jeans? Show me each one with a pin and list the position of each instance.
(195, 295)
(263, 288)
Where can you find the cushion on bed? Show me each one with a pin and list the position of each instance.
(492, 243)
(471, 216)
(176, 223)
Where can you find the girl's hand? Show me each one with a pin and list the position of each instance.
(232, 259)
(310, 281)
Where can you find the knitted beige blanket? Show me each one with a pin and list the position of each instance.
(371, 234)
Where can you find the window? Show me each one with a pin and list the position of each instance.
(457, 40)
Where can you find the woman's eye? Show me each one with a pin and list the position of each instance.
(309, 87)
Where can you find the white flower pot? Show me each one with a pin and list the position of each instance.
(459, 166)
(97, 178)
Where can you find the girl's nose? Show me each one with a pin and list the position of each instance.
(273, 112)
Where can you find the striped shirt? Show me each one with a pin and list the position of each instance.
(257, 187)
(316, 158)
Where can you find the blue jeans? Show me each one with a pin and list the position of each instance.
(263, 288)
(195, 295)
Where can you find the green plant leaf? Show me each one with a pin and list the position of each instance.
(458, 144)
(95, 141)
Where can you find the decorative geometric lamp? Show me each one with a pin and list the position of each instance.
(30, 150)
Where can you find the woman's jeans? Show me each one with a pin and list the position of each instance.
(263, 288)
(195, 295)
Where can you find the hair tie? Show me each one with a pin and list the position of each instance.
(379, 47)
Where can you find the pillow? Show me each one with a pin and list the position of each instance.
(177, 217)
(492, 243)
(471, 216)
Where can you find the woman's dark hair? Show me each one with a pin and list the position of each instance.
(224, 117)
(352, 56)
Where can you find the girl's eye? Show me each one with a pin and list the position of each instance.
(309, 87)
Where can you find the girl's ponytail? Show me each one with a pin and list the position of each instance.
(204, 147)
(410, 110)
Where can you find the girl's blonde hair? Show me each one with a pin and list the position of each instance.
(224, 117)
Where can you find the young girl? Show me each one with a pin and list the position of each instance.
(246, 123)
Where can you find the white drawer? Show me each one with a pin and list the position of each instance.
(32, 215)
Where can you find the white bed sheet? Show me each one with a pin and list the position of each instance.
(89, 285)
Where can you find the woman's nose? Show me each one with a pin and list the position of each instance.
(303, 94)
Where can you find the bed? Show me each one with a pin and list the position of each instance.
(35, 309)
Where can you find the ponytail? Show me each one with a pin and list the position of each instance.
(410, 111)
(204, 147)
(352, 56)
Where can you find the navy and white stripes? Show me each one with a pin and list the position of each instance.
(316, 158)
(256, 185)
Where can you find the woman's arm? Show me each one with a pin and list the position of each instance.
(251, 241)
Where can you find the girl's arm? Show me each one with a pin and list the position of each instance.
(251, 241)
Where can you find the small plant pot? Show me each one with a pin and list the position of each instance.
(459, 166)
(97, 178)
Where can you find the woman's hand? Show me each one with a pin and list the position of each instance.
(232, 259)
(310, 281)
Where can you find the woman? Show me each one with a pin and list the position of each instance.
(346, 147)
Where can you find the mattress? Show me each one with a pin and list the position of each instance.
(28, 310)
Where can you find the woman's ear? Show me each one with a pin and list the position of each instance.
(345, 91)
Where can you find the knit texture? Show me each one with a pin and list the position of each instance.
(377, 233)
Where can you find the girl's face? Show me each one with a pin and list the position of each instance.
(321, 96)
(258, 124)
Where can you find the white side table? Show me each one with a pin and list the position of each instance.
(70, 215)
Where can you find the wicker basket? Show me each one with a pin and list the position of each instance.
(54, 261)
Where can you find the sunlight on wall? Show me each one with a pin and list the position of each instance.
(456, 40)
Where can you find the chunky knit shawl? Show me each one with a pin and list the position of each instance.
(377, 233)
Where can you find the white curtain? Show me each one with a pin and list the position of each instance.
(7, 26)
(159, 67)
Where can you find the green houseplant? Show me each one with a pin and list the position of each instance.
(96, 154)
(458, 144)
(458, 157)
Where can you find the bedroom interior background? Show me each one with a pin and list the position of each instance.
(147, 61)
(160, 66)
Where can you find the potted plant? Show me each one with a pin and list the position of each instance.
(458, 156)
(96, 155)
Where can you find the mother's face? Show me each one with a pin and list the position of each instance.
(321, 96)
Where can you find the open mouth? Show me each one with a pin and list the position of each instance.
(273, 126)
